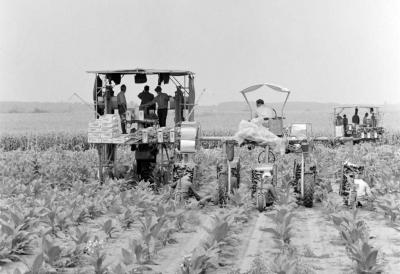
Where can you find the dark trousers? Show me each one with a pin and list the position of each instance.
(162, 116)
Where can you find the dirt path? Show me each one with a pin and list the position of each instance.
(256, 243)
(170, 258)
(318, 243)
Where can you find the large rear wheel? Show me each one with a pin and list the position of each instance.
(260, 201)
(222, 189)
(309, 182)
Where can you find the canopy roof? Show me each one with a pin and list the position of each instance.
(272, 86)
(144, 71)
(357, 106)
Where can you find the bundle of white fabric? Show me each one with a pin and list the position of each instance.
(255, 132)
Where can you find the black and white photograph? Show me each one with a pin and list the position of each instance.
(199, 137)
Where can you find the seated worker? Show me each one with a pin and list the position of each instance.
(364, 193)
(186, 188)
(263, 111)
(269, 189)
(146, 97)
(270, 192)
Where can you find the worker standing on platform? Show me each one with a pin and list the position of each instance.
(146, 97)
(122, 107)
(161, 100)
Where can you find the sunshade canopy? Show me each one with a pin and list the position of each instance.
(357, 106)
(272, 86)
(144, 71)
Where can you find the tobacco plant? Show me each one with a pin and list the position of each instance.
(15, 239)
(365, 257)
(201, 260)
(109, 228)
(283, 231)
(391, 207)
(128, 218)
(36, 267)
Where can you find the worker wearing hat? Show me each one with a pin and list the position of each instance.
(161, 100)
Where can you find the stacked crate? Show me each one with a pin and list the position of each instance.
(110, 128)
(94, 132)
(105, 129)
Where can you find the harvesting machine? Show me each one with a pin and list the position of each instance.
(156, 149)
(367, 129)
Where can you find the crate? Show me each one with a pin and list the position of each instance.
(95, 141)
(94, 130)
(109, 135)
(339, 131)
(94, 137)
(94, 124)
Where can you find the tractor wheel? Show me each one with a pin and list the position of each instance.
(222, 189)
(260, 201)
(178, 199)
(238, 173)
(271, 157)
(275, 176)
(309, 182)
(195, 179)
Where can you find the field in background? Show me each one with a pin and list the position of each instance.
(11, 123)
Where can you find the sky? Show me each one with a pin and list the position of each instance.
(323, 51)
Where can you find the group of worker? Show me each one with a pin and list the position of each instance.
(148, 105)
(366, 122)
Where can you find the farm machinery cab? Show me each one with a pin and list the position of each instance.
(357, 124)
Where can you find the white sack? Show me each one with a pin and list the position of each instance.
(250, 131)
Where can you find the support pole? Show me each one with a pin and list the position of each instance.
(302, 175)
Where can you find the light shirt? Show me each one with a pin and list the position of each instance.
(265, 112)
(363, 188)
(162, 100)
(121, 100)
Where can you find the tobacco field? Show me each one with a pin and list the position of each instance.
(56, 218)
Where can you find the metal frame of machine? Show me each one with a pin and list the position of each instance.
(305, 172)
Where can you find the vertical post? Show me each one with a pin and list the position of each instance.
(302, 175)
(192, 96)
(96, 101)
(100, 153)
